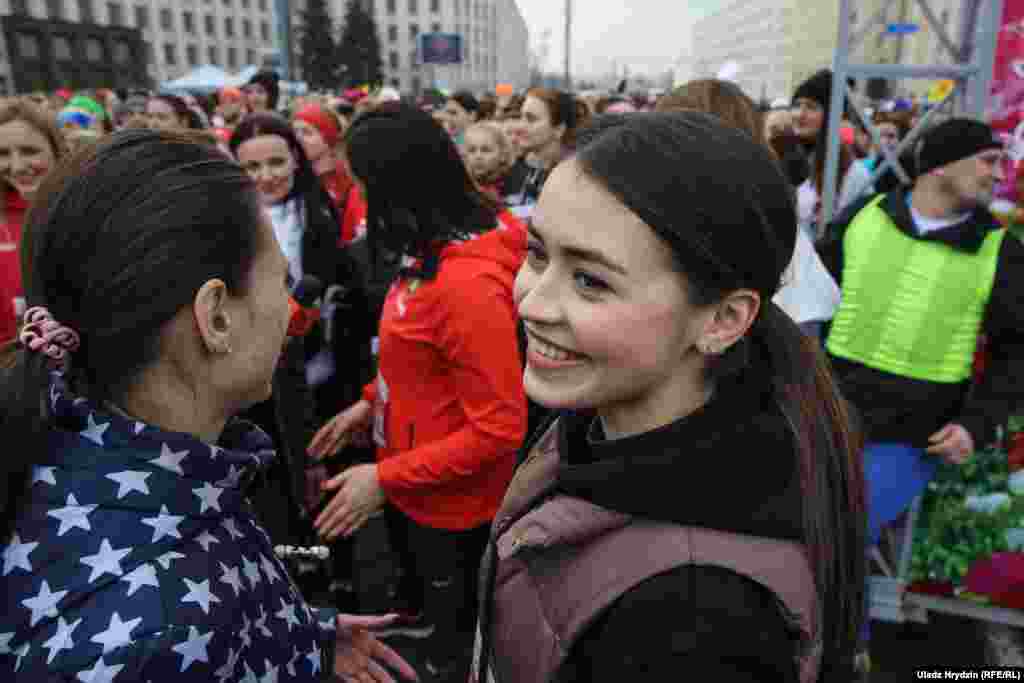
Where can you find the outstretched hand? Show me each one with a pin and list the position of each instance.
(360, 657)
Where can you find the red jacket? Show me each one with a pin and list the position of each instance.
(449, 405)
(10, 265)
(349, 200)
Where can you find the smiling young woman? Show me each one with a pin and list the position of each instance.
(30, 146)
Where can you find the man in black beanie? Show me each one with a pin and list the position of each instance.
(925, 271)
(262, 91)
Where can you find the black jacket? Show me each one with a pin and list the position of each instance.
(731, 465)
(906, 410)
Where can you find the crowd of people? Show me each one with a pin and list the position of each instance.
(546, 335)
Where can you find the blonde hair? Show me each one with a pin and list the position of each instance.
(498, 135)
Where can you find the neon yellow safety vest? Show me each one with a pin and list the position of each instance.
(911, 307)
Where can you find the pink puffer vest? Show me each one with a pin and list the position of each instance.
(562, 563)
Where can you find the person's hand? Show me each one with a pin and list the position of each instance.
(358, 654)
(952, 443)
(358, 496)
(342, 430)
(315, 477)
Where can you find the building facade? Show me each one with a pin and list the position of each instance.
(177, 35)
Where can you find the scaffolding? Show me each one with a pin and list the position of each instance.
(970, 68)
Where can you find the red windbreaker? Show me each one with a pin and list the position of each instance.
(449, 405)
(10, 264)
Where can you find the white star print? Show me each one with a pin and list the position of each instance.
(205, 539)
(231, 578)
(16, 555)
(54, 396)
(214, 452)
(261, 623)
(290, 666)
(143, 575)
(94, 432)
(100, 673)
(20, 654)
(231, 480)
(269, 570)
(228, 670)
(164, 525)
(47, 475)
(200, 594)
(314, 658)
(208, 497)
(231, 528)
(252, 571)
(5, 643)
(250, 675)
(129, 481)
(106, 561)
(169, 460)
(168, 557)
(287, 614)
(44, 604)
(244, 633)
(61, 640)
(193, 649)
(72, 515)
(328, 624)
(271, 675)
(117, 634)
(139, 426)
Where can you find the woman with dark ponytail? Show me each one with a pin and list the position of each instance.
(698, 505)
(157, 311)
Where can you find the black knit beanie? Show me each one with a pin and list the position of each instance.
(953, 140)
(269, 81)
(819, 89)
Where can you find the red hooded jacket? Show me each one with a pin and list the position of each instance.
(10, 264)
(449, 406)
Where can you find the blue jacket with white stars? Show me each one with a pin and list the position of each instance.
(136, 559)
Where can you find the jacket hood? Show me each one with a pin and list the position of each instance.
(505, 244)
(730, 465)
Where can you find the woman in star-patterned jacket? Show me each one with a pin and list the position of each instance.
(157, 311)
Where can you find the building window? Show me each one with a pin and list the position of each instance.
(55, 9)
(229, 27)
(85, 12)
(170, 55)
(122, 52)
(250, 56)
(232, 58)
(245, 4)
(414, 7)
(166, 19)
(416, 84)
(435, 6)
(189, 22)
(227, 3)
(192, 53)
(263, 5)
(414, 31)
(211, 26)
(246, 28)
(393, 34)
(115, 14)
(19, 7)
(62, 48)
(141, 17)
(211, 55)
(392, 7)
(393, 60)
(264, 30)
(435, 27)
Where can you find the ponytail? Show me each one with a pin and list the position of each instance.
(24, 418)
(829, 450)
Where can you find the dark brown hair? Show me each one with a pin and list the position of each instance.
(720, 98)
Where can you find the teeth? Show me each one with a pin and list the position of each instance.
(549, 351)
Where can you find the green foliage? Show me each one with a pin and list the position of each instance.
(318, 53)
(359, 48)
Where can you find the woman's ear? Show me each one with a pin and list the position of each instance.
(212, 317)
(733, 317)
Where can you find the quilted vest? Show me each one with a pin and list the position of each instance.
(561, 561)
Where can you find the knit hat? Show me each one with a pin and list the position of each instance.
(953, 140)
(819, 89)
(314, 115)
(269, 81)
(89, 105)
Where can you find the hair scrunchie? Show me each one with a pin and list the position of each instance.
(43, 334)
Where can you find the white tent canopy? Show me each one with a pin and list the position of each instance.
(207, 79)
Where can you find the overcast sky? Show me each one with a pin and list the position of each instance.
(648, 35)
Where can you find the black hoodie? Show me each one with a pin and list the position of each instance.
(731, 465)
